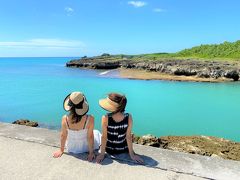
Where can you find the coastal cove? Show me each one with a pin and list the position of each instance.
(34, 88)
(187, 69)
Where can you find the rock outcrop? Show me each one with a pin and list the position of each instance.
(26, 122)
(148, 140)
(189, 67)
(202, 145)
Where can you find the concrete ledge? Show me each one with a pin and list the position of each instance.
(157, 159)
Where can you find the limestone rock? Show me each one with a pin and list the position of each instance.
(203, 145)
(149, 140)
(26, 122)
(232, 74)
(189, 67)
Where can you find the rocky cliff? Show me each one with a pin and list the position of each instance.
(188, 67)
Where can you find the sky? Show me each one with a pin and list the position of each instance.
(75, 28)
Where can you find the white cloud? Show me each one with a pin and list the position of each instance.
(69, 10)
(137, 4)
(43, 43)
(158, 10)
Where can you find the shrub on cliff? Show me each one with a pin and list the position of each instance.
(223, 50)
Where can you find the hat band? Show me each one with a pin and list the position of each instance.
(78, 106)
(111, 102)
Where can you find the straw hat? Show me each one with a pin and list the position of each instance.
(108, 104)
(77, 101)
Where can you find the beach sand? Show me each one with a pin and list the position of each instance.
(145, 75)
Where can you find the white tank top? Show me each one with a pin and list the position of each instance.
(77, 140)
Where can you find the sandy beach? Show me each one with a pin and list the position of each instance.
(145, 75)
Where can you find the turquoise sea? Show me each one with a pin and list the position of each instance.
(34, 88)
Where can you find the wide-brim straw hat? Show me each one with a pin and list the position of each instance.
(77, 101)
(108, 105)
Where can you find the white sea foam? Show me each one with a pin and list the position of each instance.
(105, 72)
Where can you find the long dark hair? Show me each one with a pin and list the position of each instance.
(75, 118)
(120, 99)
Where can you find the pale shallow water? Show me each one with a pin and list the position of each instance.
(34, 88)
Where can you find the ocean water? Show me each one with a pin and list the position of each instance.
(34, 88)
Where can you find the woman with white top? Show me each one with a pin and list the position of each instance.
(77, 131)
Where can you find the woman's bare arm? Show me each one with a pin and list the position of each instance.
(103, 139)
(129, 142)
(129, 136)
(90, 138)
(63, 137)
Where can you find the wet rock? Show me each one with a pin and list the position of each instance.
(205, 73)
(26, 122)
(107, 65)
(215, 74)
(184, 72)
(232, 74)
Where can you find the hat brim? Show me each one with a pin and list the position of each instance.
(106, 105)
(66, 107)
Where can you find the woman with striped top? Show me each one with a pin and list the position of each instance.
(116, 128)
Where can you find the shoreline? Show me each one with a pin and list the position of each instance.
(138, 74)
(165, 69)
(145, 75)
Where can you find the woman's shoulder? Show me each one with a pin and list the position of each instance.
(128, 117)
(126, 114)
(106, 116)
(64, 119)
(90, 118)
(105, 119)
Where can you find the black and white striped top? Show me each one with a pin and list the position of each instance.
(116, 135)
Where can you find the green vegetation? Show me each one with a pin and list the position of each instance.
(223, 51)
(226, 50)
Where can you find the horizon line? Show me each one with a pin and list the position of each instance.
(40, 57)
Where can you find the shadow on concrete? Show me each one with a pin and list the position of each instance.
(123, 158)
(83, 157)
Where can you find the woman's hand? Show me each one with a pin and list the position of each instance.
(90, 157)
(136, 158)
(58, 154)
(100, 158)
